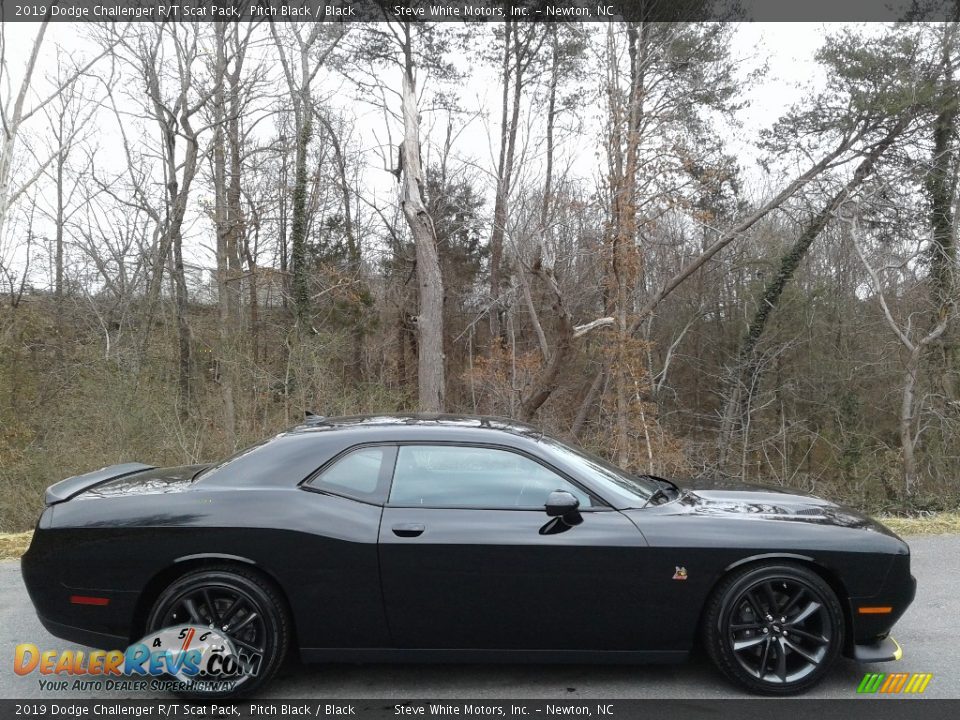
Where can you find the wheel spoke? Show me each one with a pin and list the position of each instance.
(765, 658)
(243, 623)
(192, 611)
(782, 661)
(818, 639)
(740, 645)
(746, 626)
(248, 646)
(792, 601)
(232, 610)
(211, 607)
(754, 605)
(801, 652)
(809, 610)
(771, 598)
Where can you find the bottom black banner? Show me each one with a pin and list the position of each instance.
(759, 709)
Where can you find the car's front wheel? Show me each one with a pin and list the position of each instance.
(774, 629)
(221, 603)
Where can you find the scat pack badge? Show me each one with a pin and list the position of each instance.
(680, 573)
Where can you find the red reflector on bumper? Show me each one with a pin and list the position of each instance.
(89, 600)
(875, 610)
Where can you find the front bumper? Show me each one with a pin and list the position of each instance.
(883, 650)
(873, 617)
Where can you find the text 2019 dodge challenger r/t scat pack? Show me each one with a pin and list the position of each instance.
(445, 538)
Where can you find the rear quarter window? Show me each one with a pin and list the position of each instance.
(358, 474)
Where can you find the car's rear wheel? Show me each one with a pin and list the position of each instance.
(236, 604)
(774, 629)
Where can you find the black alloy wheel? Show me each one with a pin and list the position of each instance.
(774, 629)
(237, 604)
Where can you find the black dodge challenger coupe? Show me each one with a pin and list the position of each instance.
(446, 538)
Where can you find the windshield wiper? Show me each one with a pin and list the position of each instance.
(662, 487)
(656, 493)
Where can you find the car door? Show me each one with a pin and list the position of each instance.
(469, 558)
(338, 600)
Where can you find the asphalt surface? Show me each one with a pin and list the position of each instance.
(929, 634)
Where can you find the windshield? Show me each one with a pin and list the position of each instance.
(630, 490)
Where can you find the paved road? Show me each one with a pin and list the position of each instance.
(929, 634)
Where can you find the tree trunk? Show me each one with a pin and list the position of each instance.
(226, 176)
(593, 392)
(509, 121)
(429, 279)
(298, 228)
(58, 253)
(282, 222)
(941, 184)
(907, 440)
(549, 378)
(183, 326)
(625, 259)
(11, 126)
(354, 253)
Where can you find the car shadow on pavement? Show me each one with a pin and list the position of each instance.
(695, 679)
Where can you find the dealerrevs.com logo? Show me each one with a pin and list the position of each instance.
(184, 658)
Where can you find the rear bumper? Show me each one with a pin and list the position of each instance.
(83, 636)
(103, 625)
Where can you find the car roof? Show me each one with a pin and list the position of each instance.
(436, 422)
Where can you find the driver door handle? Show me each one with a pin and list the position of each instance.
(408, 530)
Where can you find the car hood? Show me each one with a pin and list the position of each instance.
(739, 499)
(148, 482)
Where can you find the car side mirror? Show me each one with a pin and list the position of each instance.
(564, 505)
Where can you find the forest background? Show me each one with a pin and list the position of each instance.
(694, 248)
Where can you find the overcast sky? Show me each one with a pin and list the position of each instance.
(788, 48)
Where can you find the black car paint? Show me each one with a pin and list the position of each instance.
(475, 584)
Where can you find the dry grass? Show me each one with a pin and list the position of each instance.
(13, 545)
(935, 524)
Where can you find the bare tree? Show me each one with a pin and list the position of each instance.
(744, 375)
(15, 114)
(68, 119)
(941, 187)
(302, 55)
(413, 201)
(172, 104)
(914, 347)
(522, 43)
(230, 101)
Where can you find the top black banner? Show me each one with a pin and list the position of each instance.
(478, 10)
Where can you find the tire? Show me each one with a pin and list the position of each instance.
(759, 651)
(257, 614)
